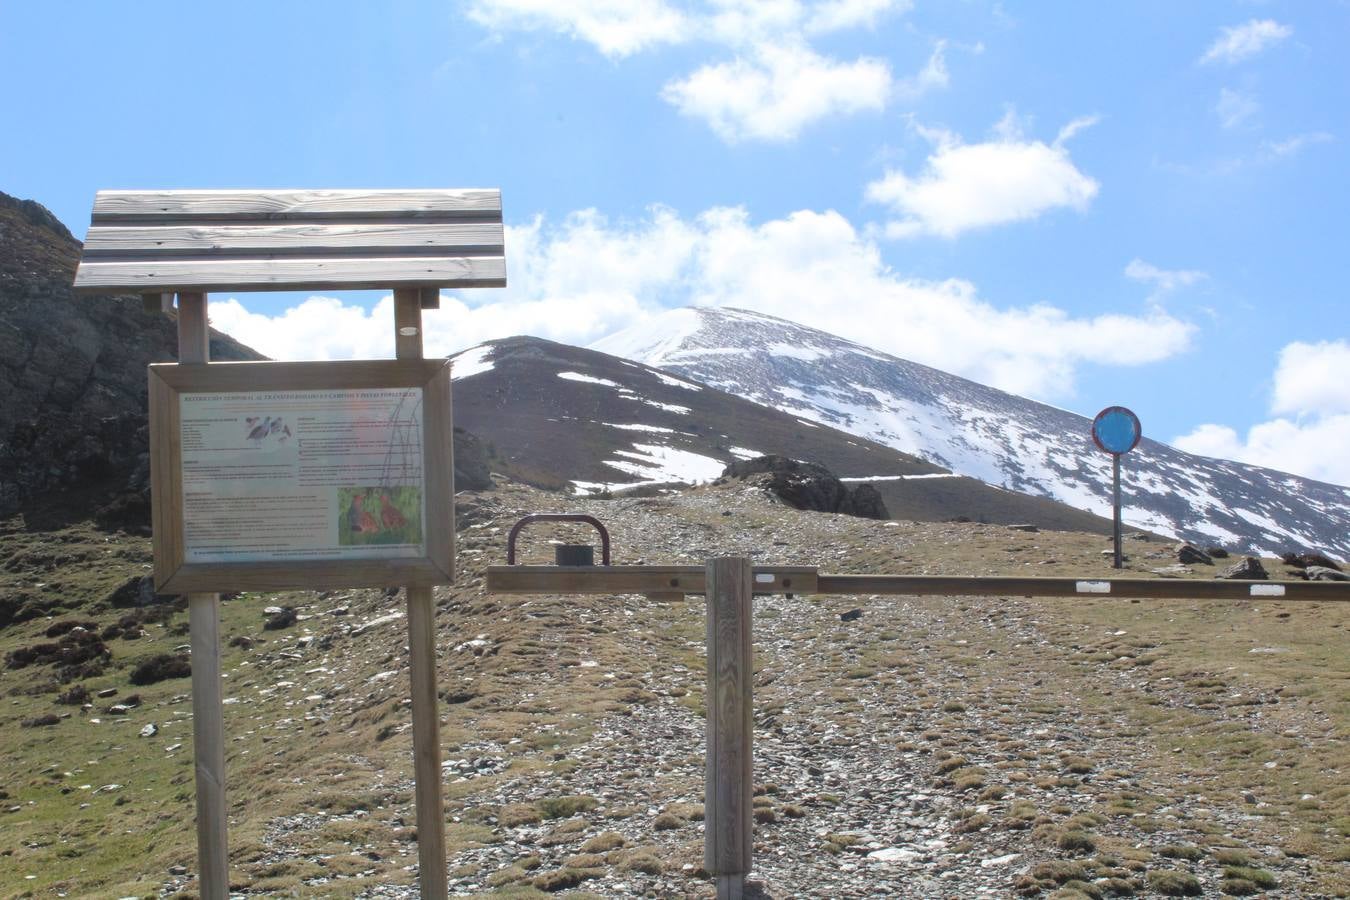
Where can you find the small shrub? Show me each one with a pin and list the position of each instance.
(643, 862)
(1171, 883)
(562, 807)
(161, 667)
(77, 695)
(41, 721)
(279, 620)
(1259, 877)
(1231, 856)
(1077, 842)
(1238, 887)
(605, 841)
(1181, 851)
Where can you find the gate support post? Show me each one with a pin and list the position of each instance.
(729, 779)
(431, 866)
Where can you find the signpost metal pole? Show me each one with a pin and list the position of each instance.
(1115, 505)
(208, 721)
(1116, 430)
(422, 666)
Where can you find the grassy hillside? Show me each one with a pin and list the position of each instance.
(999, 744)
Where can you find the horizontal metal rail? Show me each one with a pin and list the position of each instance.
(806, 580)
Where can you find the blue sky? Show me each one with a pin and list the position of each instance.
(1143, 205)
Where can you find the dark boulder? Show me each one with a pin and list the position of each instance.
(471, 463)
(1323, 573)
(138, 591)
(1189, 555)
(160, 667)
(865, 502)
(1216, 552)
(809, 486)
(851, 616)
(282, 618)
(1249, 569)
(1309, 558)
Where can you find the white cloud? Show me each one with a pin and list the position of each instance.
(1311, 431)
(1238, 42)
(836, 15)
(318, 328)
(586, 277)
(1272, 150)
(1235, 107)
(774, 85)
(615, 27)
(1313, 379)
(970, 186)
(1164, 280)
(777, 91)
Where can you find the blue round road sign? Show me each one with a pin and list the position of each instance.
(1116, 430)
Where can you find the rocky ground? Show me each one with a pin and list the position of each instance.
(932, 747)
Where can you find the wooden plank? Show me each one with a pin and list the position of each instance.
(729, 780)
(208, 720)
(126, 242)
(637, 579)
(147, 276)
(301, 376)
(431, 298)
(316, 575)
(162, 206)
(431, 861)
(1146, 588)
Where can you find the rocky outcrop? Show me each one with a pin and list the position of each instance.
(72, 373)
(1190, 555)
(1249, 569)
(809, 486)
(471, 463)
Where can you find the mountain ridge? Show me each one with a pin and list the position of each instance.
(984, 433)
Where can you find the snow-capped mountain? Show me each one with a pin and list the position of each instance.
(567, 418)
(978, 431)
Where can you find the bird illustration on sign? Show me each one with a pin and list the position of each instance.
(399, 520)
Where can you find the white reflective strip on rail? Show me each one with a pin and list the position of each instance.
(1093, 587)
(766, 578)
(1267, 590)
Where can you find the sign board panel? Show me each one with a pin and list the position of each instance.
(1116, 430)
(301, 475)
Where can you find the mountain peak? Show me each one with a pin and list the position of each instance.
(999, 438)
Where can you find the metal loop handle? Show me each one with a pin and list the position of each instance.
(557, 517)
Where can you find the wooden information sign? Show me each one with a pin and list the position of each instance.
(269, 476)
(275, 476)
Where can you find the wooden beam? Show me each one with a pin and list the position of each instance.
(195, 205)
(431, 858)
(208, 719)
(299, 239)
(728, 811)
(637, 579)
(99, 276)
(431, 298)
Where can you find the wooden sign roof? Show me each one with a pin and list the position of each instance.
(165, 241)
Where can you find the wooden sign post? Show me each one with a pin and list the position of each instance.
(271, 476)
